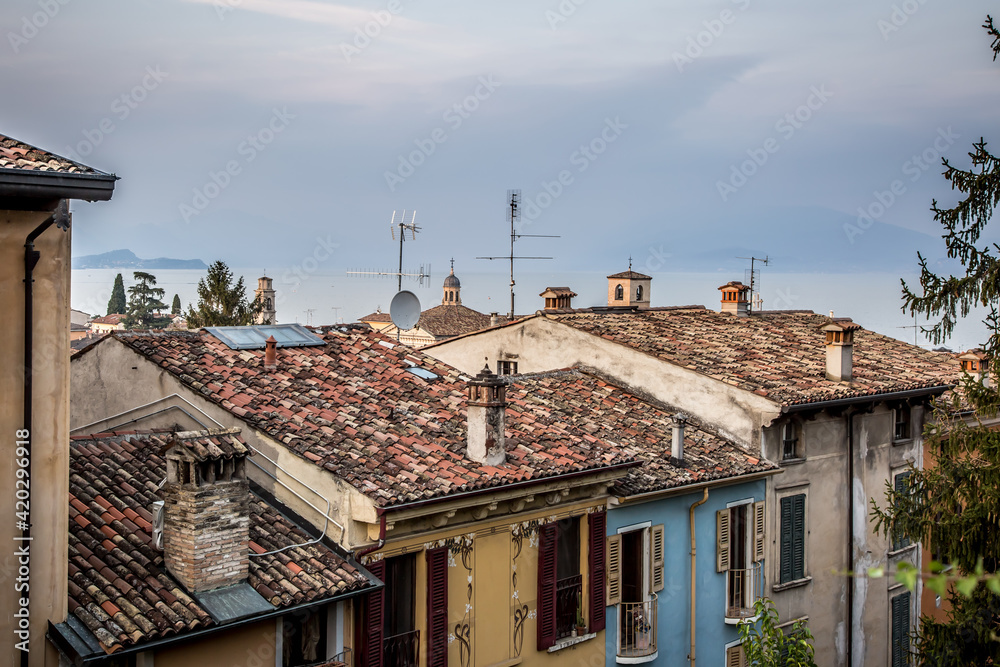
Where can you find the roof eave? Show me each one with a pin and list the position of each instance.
(45, 185)
(935, 390)
(646, 496)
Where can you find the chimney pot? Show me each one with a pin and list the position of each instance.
(839, 348)
(486, 419)
(270, 353)
(677, 445)
(735, 298)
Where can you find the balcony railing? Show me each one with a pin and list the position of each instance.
(637, 628)
(401, 650)
(568, 593)
(743, 589)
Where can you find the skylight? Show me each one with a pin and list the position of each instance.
(423, 373)
(255, 337)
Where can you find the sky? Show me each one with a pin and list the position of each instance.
(685, 135)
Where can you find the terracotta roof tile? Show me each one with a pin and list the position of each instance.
(16, 154)
(118, 584)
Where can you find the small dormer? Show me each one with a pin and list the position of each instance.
(558, 298)
(839, 348)
(735, 298)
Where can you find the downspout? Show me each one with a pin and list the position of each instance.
(694, 550)
(31, 256)
(381, 538)
(850, 529)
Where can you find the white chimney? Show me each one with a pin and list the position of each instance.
(839, 348)
(487, 405)
(677, 445)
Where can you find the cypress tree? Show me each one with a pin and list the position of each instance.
(116, 304)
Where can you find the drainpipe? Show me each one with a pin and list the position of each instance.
(850, 528)
(381, 538)
(31, 256)
(694, 550)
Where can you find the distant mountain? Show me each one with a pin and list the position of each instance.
(126, 259)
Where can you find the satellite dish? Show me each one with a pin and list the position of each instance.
(405, 310)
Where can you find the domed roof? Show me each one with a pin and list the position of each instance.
(452, 280)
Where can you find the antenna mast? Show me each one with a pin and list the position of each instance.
(753, 279)
(403, 228)
(514, 217)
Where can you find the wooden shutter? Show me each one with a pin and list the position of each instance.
(437, 607)
(614, 571)
(656, 558)
(722, 540)
(901, 630)
(785, 547)
(734, 656)
(598, 558)
(374, 618)
(758, 531)
(799, 536)
(548, 536)
(901, 483)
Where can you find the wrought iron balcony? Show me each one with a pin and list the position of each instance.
(743, 589)
(402, 650)
(568, 592)
(637, 630)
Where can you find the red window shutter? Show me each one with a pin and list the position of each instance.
(437, 607)
(374, 610)
(598, 521)
(547, 538)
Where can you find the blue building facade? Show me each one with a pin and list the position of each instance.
(649, 575)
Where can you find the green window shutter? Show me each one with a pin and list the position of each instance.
(786, 540)
(793, 538)
(901, 630)
(901, 483)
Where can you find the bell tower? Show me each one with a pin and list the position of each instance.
(265, 292)
(452, 288)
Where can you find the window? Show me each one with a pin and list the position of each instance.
(388, 633)
(506, 368)
(793, 538)
(902, 430)
(901, 484)
(619, 293)
(304, 637)
(635, 574)
(560, 582)
(740, 553)
(735, 657)
(901, 630)
(638, 293)
(790, 441)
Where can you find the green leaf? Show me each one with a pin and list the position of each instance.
(938, 584)
(876, 572)
(993, 583)
(966, 585)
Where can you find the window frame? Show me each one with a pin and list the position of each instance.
(907, 423)
(901, 541)
(797, 453)
(794, 568)
(619, 292)
(897, 604)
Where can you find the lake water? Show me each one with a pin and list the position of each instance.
(326, 297)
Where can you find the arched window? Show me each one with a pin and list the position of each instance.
(619, 293)
(267, 304)
(638, 293)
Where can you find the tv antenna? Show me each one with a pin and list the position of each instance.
(309, 315)
(402, 229)
(915, 327)
(514, 217)
(755, 300)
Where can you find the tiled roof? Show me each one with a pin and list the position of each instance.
(377, 316)
(222, 445)
(558, 291)
(113, 318)
(631, 275)
(779, 355)
(353, 408)
(580, 402)
(453, 320)
(119, 587)
(16, 154)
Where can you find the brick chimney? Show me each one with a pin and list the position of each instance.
(839, 348)
(735, 297)
(206, 514)
(487, 404)
(558, 298)
(270, 353)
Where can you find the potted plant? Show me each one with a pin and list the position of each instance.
(581, 624)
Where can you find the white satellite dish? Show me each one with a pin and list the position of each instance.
(405, 310)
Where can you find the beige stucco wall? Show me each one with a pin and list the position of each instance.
(50, 467)
(247, 646)
(541, 344)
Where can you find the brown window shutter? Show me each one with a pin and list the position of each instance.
(437, 607)
(598, 558)
(722, 540)
(374, 610)
(614, 571)
(735, 656)
(548, 535)
(656, 558)
(758, 531)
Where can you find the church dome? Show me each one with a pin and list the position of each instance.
(452, 280)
